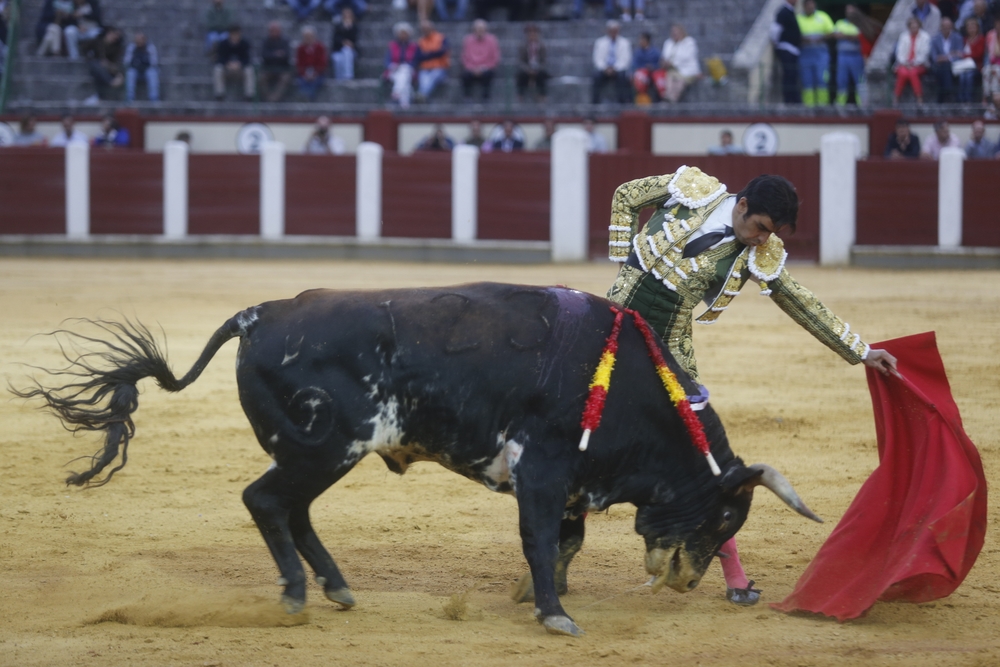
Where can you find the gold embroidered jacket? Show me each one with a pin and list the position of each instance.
(668, 287)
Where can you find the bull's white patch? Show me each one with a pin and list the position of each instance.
(245, 320)
(502, 468)
(387, 431)
(292, 349)
(273, 439)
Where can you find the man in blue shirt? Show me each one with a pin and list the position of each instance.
(946, 48)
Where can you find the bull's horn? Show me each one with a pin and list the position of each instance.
(776, 482)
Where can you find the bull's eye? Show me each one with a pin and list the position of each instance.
(727, 516)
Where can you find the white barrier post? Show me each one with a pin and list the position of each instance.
(175, 189)
(950, 166)
(368, 194)
(272, 190)
(78, 190)
(838, 179)
(464, 193)
(568, 218)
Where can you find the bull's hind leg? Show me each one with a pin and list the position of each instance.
(279, 504)
(570, 541)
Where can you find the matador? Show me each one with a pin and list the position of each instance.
(703, 244)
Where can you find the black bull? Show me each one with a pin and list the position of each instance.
(488, 380)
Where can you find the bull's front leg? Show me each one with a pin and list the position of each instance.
(541, 503)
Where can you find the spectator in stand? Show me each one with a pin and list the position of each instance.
(787, 40)
(974, 49)
(647, 77)
(322, 141)
(310, 63)
(814, 62)
(336, 7)
(902, 144)
(991, 64)
(461, 9)
(475, 137)
(141, 60)
(400, 63)
(595, 140)
(680, 62)
(218, 20)
(545, 143)
(941, 137)
(531, 64)
(979, 10)
(344, 49)
(507, 138)
(726, 145)
(55, 23)
(946, 50)
(303, 8)
(232, 61)
(68, 134)
(480, 56)
(433, 60)
(612, 61)
(979, 147)
(912, 52)
(276, 64)
(609, 9)
(84, 26)
(29, 134)
(112, 134)
(929, 16)
(105, 62)
(436, 141)
(850, 62)
(632, 8)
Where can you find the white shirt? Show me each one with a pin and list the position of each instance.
(334, 145)
(719, 219)
(683, 56)
(603, 52)
(61, 139)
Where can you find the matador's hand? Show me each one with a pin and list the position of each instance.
(881, 361)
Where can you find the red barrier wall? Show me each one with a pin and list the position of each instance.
(224, 194)
(32, 191)
(320, 192)
(897, 202)
(514, 196)
(609, 171)
(980, 203)
(126, 192)
(416, 195)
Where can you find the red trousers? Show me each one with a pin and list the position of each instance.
(911, 74)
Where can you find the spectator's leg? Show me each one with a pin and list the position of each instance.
(102, 77)
(72, 35)
(440, 75)
(577, 8)
(823, 73)
(360, 7)
(131, 76)
(897, 91)
(522, 83)
(624, 87)
(609, 9)
(219, 81)
(542, 84)
(595, 89)
(807, 67)
(461, 10)
(640, 10)
(790, 93)
(402, 85)
(965, 82)
(487, 82)
(153, 84)
(918, 86)
(52, 42)
(467, 80)
(441, 7)
(345, 63)
(843, 79)
(944, 81)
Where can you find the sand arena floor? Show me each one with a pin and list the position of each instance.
(164, 566)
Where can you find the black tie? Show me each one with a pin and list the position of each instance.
(705, 241)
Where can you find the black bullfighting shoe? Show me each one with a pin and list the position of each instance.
(745, 597)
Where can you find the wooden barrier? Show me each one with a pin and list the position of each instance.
(126, 192)
(897, 202)
(416, 195)
(320, 194)
(980, 203)
(224, 195)
(608, 171)
(32, 191)
(514, 196)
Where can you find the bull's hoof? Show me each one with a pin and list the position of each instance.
(524, 590)
(341, 596)
(561, 625)
(292, 605)
(744, 597)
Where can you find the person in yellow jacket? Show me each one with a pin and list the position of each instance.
(850, 61)
(814, 62)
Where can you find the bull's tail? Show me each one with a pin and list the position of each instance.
(97, 390)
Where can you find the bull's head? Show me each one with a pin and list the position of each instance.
(680, 546)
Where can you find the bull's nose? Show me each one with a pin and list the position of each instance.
(692, 584)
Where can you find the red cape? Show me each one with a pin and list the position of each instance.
(918, 523)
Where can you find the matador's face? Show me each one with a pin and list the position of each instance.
(751, 230)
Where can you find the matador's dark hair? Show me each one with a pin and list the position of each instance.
(773, 196)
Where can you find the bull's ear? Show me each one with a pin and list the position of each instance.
(737, 478)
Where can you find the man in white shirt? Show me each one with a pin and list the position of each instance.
(680, 60)
(612, 61)
(68, 134)
(942, 137)
(322, 141)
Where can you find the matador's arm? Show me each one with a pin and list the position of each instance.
(802, 306)
(630, 198)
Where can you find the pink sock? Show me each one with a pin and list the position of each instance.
(731, 568)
